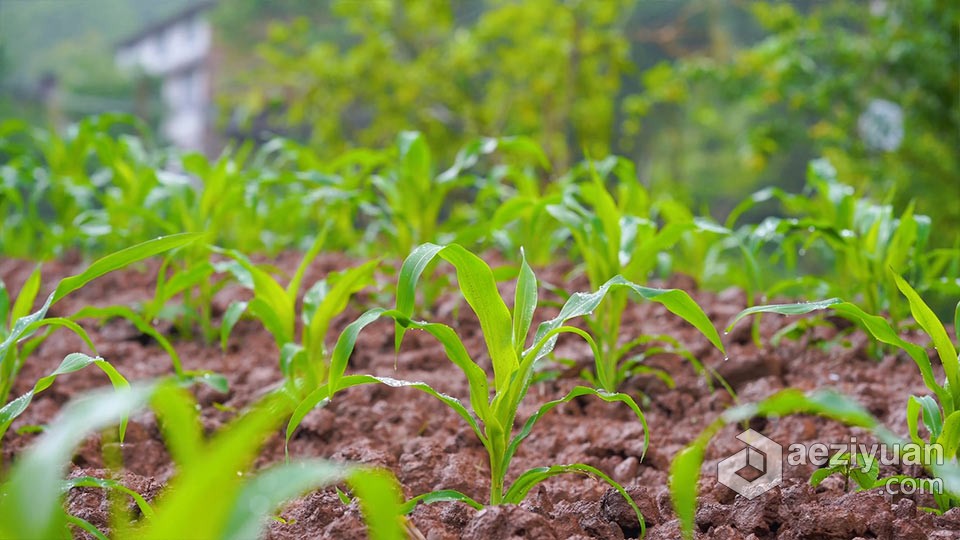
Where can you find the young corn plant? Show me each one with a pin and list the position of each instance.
(852, 242)
(411, 204)
(291, 191)
(493, 401)
(178, 278)
(615, 240)
(851, 467)
(509, 207)
(212, 495)
(686, 465)
(24, 331)
(940, 412)
(410, 197)
(304, 362)
(79, 189)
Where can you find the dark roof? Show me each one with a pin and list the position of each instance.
(162, 24)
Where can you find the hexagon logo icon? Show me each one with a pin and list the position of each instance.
(761, 454)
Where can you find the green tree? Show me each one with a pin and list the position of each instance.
(549, 69)
(826, 80)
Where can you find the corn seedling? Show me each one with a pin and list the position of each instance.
(505, 334)
(293, 191)
(21, 338)
(412, 205)
(509, 210)
(194, 283)
(304, 363)
(614, 241)
(411, 196)
(212, 494)
(685, 468)
(74, 190)
(856, 238)
(940, 412)
(855, 468)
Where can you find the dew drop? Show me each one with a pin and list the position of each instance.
(726, 358)
(239, 473)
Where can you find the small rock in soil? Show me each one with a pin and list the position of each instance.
(509, 522)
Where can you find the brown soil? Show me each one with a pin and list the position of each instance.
(428, 447)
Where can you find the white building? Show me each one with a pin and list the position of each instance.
(178, 51)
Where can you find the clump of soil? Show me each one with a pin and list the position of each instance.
(428, 447)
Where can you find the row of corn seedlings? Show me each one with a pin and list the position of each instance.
(314, 375)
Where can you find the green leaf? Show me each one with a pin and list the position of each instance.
(913, 412)
(62, 323)
(956, 320)
(183, 280)
(270, 302)
(179, 420)
(377, 490)
(72, 362)
(30, 500)
(294, 286)
(274, 321)
(684, 474)
(479, 288)
(950, 436)
(90, 481)
(138, 322)
(928, 320)
(189, 508)
(415, 158)
(26, 297)
(442, 495)
(676, 301)
(319, 397)
(344, 348)
(785, 309)
(865, 479)
(344, 285)
(230, 318)
(820, 475)
(121, 259)
(5, 319)
(380, 499)
(214, 381)
(86, 526)
(524, 304)
(527, 480)
(932, 418)
(292, 360)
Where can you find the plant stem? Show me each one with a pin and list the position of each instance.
(496, 481)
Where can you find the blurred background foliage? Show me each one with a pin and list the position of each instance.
(711, 99)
